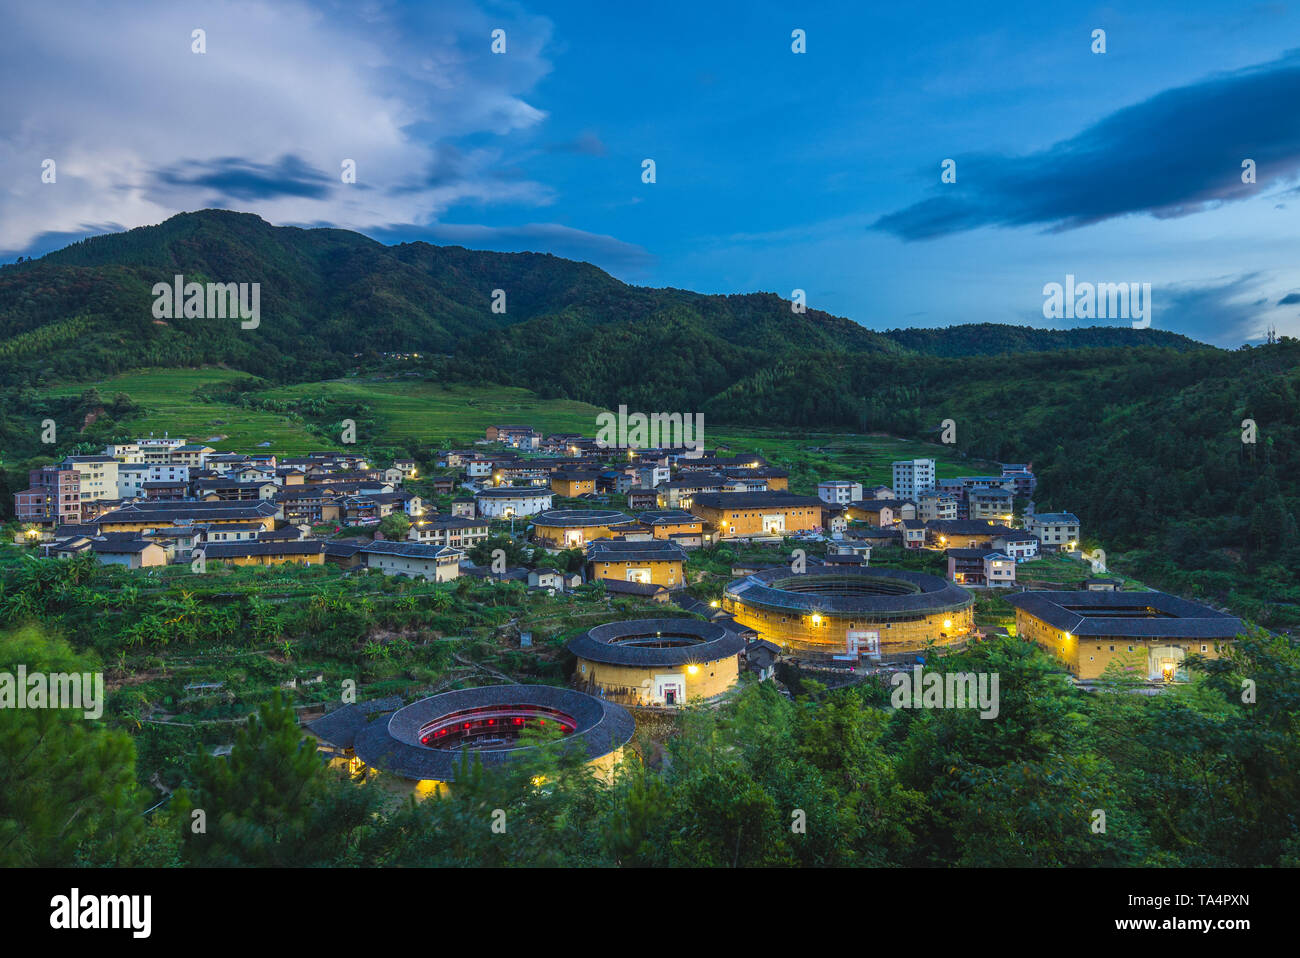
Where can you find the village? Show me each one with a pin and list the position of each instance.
(630, 519)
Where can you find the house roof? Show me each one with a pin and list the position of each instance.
(616, 550)
(409, 550)
(393, 744)
(1127, 614)
(633, 588)
(258, 547)
(638, 642)
(755, 500)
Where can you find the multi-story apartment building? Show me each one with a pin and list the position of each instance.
(98, 476)
(936, 505)
(1055, 530)
(996, 504)
(53, 497)
(131, 477)
(913, 477)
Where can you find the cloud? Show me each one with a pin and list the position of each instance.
(141, 127)
(1289, 299)
(1224, 312)
(1172, 155)
(233, 177)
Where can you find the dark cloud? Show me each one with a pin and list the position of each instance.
(235, 178)
(1289, 299)
(1171, 155)
(1223, 313)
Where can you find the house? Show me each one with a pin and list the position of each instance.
(449, 531)
(521, 437)
(981, 567)
(680, 493)
(1102, 585)
(229, 532)
(256, 552)
(309, 505)
(229, 489)
(1143, 634)
(1021, 477)
(132, 553)
(344, 552)
(642, 499)
(1055, 530)
(406, 467)
(839, 492)
(671, 523)
(168, 489)
(773, 479)
(914, 533)
(414, 559)
(964, 533)
(462, 507)
(571, 483)
(936, 505)
(509, 502)
(656, 561)
(761, 657)
(880, 512)
(1017, 544)
(738, 515)
(146, 516)
(551, 580)
(995, 504)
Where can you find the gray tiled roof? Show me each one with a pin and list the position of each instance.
(1086, 613)
(609, 643)
(393, 744)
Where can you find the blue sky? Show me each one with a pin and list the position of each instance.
(775, 170)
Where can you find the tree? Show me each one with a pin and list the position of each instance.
(395, 525)
(69, 788)
(257, 804)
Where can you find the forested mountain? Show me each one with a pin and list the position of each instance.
(329, 294)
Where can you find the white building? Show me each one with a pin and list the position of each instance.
(131, 477)
(435, 563)
(505, 502)
(839, 492)
(167, 472)
(912, 477)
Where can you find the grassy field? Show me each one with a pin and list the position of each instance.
(167, 396)
(420, 411)
(436, 413)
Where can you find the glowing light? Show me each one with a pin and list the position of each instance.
(947, 623)
(692, 669)
(816, 619)
(714, 603)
